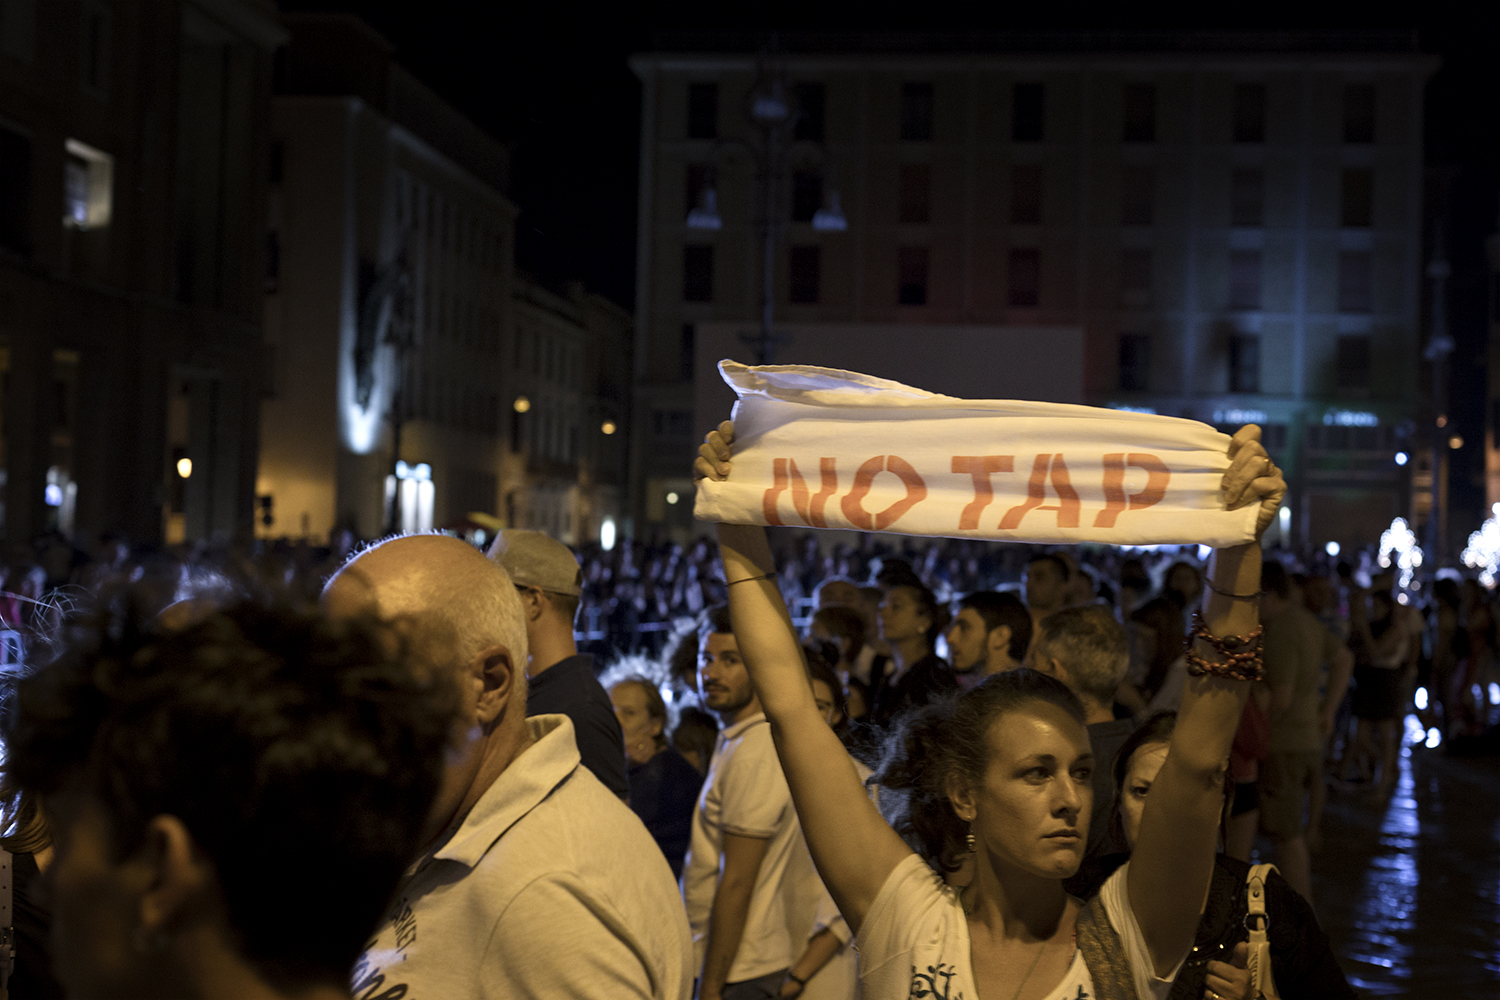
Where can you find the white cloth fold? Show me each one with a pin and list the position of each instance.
(832, 449)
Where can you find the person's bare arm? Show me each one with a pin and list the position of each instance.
(851, 844)
(726, 921)
(821, 947)
(1174, 855)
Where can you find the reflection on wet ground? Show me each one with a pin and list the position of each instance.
(1409, 891)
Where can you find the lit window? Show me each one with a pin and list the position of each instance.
(87, 177)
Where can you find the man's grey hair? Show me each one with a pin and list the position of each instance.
(1091, 645)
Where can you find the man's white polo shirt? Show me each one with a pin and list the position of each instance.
(551, 887)
(745, 793)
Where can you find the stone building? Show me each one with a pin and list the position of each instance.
(388, 296)
(1219, 227)
(133, 163)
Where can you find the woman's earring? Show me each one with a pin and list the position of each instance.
(969, 841)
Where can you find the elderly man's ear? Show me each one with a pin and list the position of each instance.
(498, 684)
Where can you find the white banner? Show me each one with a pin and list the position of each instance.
(825, 448)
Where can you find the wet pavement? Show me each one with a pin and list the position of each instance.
(1409, 890)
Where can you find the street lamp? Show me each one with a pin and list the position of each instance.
(774, 115)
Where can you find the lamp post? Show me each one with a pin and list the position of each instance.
(774, 114)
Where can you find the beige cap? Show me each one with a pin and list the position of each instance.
(534, 560)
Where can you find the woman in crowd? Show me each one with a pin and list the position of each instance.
(663, 785)
(1301, 960)
(1158, 659)
(1016, 796)
(910, 621)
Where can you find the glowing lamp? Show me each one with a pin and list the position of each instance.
(184, 467)
(521, 405)
(1332, 548)
(1402, 458)
(608, 427)
(673, 497)
(1455, 442)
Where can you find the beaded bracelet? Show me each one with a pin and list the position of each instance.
(1241, 654)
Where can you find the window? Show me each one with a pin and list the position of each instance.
(809, 127)
(1027, 104)
(698, 273)
(1026, 194)
(701, 178)
(1135, 277)
(1355, 281)
(15, 189)
(1359, 112)
(911, 277)
(1247, 197)
(1244, 363)
(1135, 362)
(1244, 279)
(1137, 196)
(807, 195)
(916, 112)
(806, 274)
(916, 189)
(1353, 362)
(1140, 112)
(93, 54)
(1025, 276)
(1357, 198)
(703, 111)
(687, 346)
(1249, 112)
(87, 179)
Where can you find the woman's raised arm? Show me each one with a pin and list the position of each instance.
(853, 847)
(1173, 859)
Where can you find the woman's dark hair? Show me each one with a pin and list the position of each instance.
(845, 624)
(1163, 617)
(822, 662)
(302, 755)
(1157, 729)
(950, 738)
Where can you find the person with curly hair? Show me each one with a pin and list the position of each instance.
(230, 803)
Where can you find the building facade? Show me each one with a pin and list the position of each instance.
(418, 382)
(388, 296)
(565, 473)
(1231, 235)
(133, 142)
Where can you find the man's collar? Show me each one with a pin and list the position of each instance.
(531, 777)
(730, 732)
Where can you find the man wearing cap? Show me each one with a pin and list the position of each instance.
(562, 680)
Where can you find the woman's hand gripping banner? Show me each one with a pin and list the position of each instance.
(823, 448)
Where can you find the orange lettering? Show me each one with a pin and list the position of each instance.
(778, 486)
(1115, 500)
(799, 491)
(853, 502)
(829, 488)
(1036, 491)
(981, 467)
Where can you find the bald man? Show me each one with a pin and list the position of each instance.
(537, 881)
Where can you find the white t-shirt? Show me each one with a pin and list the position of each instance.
(745, 793)
(550, 888)
(916, 936)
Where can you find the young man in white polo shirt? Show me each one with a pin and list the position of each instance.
(744, 832)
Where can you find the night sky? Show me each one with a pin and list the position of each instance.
(551, 80)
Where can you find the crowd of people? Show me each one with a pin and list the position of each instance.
(771, 766)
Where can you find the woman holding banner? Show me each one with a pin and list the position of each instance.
(1013, 800)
